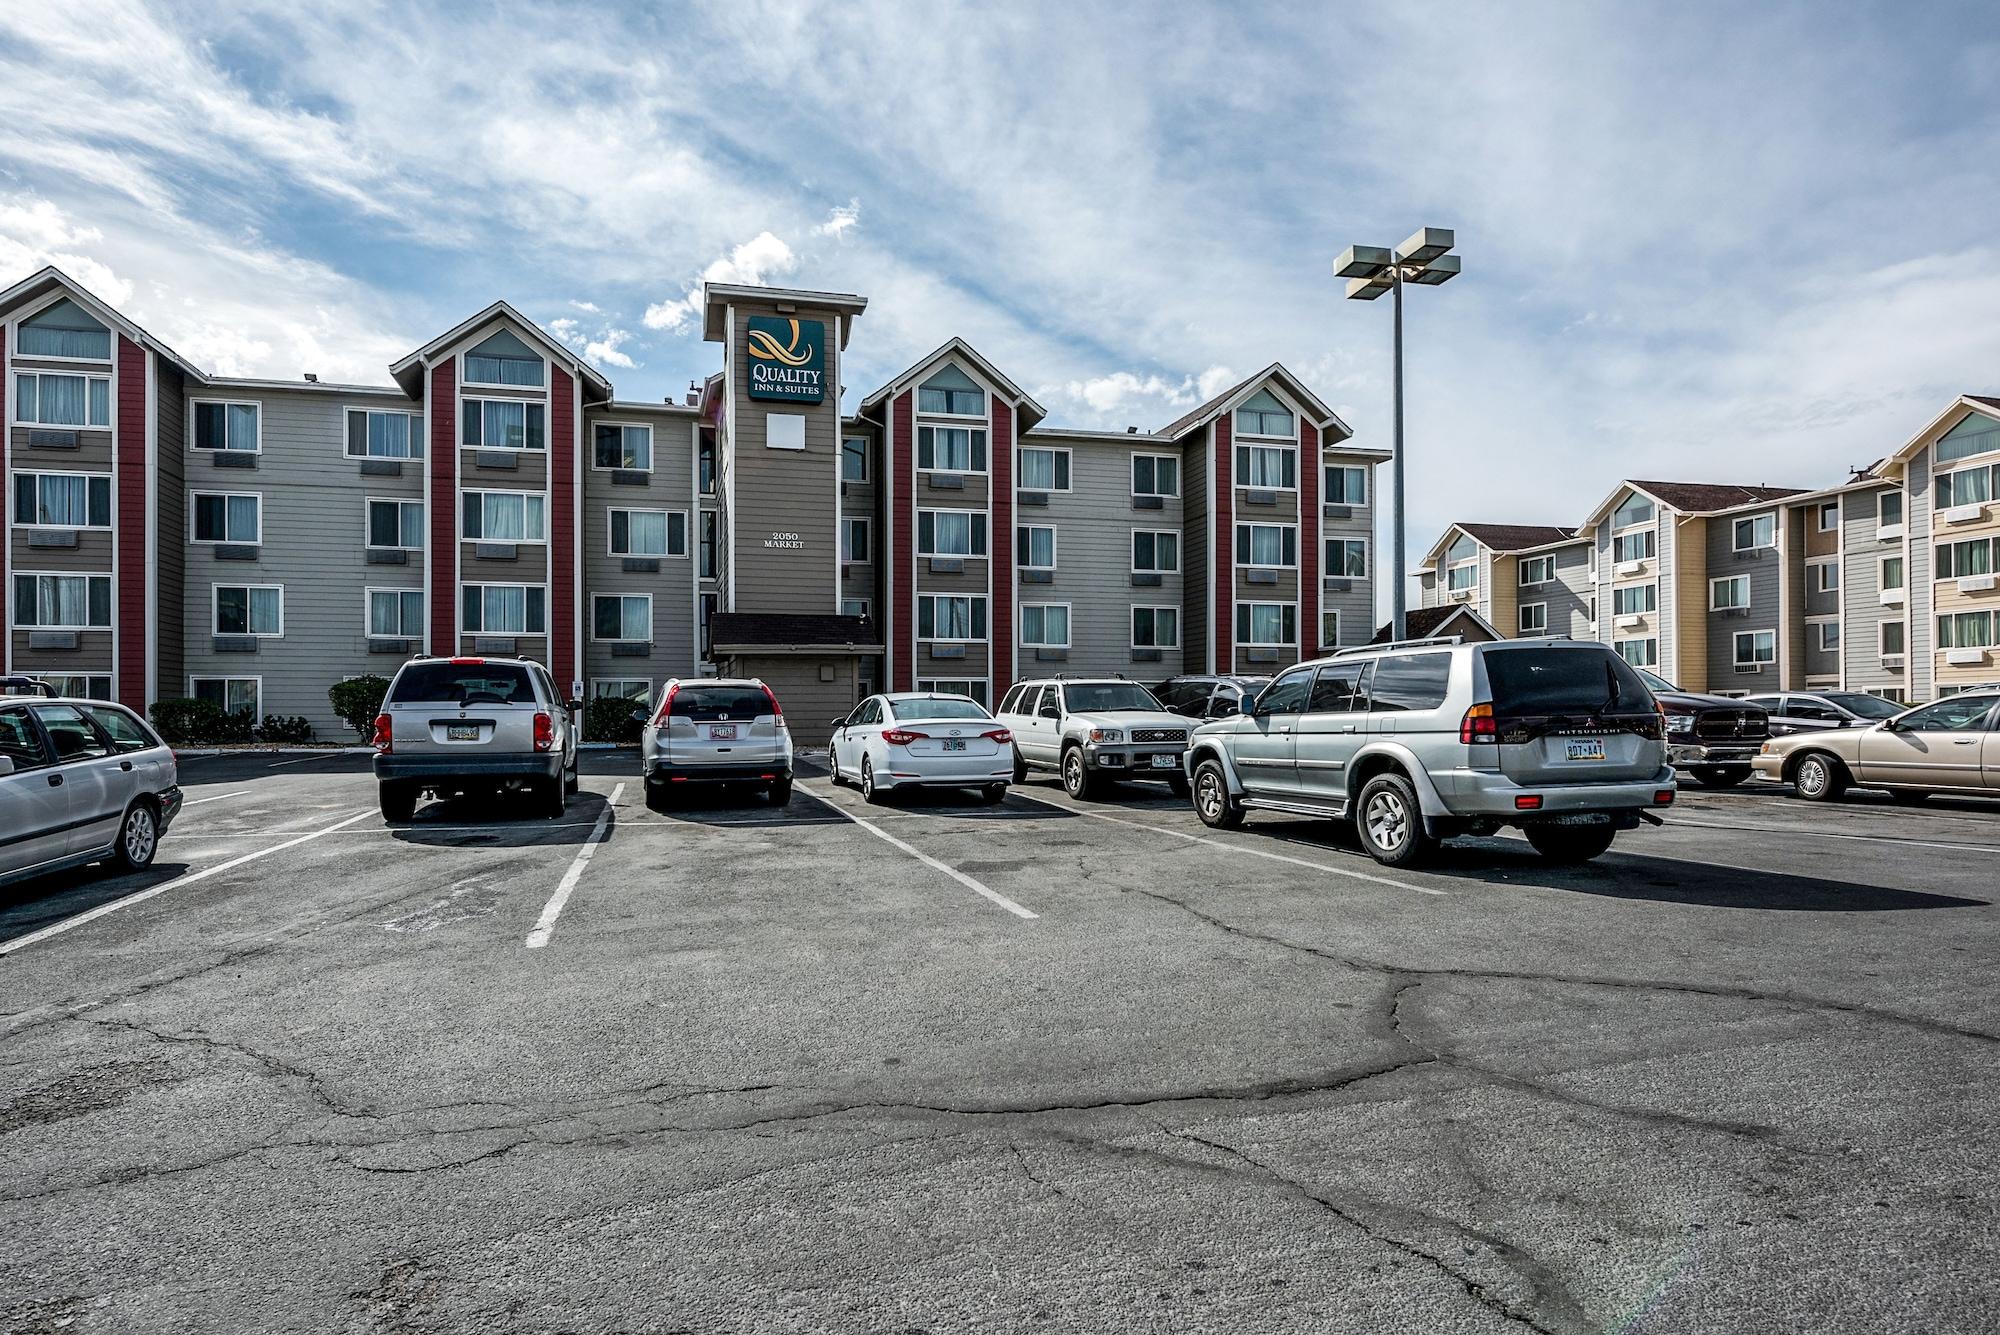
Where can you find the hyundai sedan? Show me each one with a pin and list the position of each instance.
(920, 740)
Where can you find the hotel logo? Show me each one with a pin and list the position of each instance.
(787, 359)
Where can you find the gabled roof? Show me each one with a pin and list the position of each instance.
(1692, 497)
(1228, 398)
(1422, 623)
(47, 277)
(1031, 413)
(408, 371)
(716, 297)
(1960, 408)
(1503, 538)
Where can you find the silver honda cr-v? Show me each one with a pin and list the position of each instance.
(1421, 740)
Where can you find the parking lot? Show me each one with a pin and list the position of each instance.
(938, 1066)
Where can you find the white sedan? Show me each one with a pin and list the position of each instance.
(913, 739)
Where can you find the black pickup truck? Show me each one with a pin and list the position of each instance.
(1711, 737)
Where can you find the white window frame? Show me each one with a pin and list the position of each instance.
(1992, 492)
(1326, 562)
(939, 639)
(110, 478)
(1243, 524)
(1055, 547)
(470, 351)
(1635, 531)
(944, 685)
(1992, 627)
(1902, 507)
(696, 539)
(984, 525)
(1882, 649)
(1652, 655)
(257, 682)
(867, 607)
(1068, 468)
(1651, 520)
(948, 423)
(1654, 610)
(417, 441)
(1069, 628)
(367, 525)
(867, 526)
(1526, 563)
(1521, 619)
(458, 612)
(1817, 628)
(14, 623)
(466, 403)
(1132, 551)
(1736, 543)
(1826, 509)
(1132, 625)
(27, 317)
(1736, 648)
(1329, 639)
(1451, 584)
(193, 414)
(623, 427)
(13, 389)
(1132, 474)
(595, 638)
(597, 691)
(459, 518)
(1245, 643)
(215, 612)
(866, 471)
(669, 511)
(194, 497)
(1275, 445)
(1718, 581)
(368, 612)
(64, 681)
(1882, 584)
(1329, 468)
(1952, 545)
(1816, 569)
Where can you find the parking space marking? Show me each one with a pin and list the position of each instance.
(1238, 848)
(546, 924)
(1832, 834)
(56, 928)
(968, 882)
(320, 755)
(197, 801)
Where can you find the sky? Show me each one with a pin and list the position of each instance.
(1701, 242)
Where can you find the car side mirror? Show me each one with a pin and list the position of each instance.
(6, 766)
(573, 705)
(840, 722)
(641, 717)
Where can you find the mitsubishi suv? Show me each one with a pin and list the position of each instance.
(1091, 730)
(1417, 741)
(458, 726)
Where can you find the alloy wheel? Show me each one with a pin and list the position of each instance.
(1208, 790)
(1388, 820)
(140, 836)
(1811, 777)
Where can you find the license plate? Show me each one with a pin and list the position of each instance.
(1586, 750)
(1583, 818)
(1165, 762)
(724, 733)
(461, 732)
(954, 746)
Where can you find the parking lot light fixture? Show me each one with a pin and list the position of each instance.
(1424, 258)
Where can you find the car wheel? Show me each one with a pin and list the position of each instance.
(572, 778)
(1390, 822)
(833, 769)
(869, 791)
(550, 801)
(1819, 778)
(1212, 802)
(993, 794)
(1077, 779)
(1724, 777)
(780, 792)
(138, 839)
(1908, 797)
(657, 796)
(1570, 843)
(1020, 767)
(397, 799)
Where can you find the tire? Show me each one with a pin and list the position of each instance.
(398, 800)
(993, 794)
(833, 769)
(138, 839)
(572, 778)
(1020, 767)
(1178, 786)
(550, 799)
(1908, 797)
(780, 792)
(1818, 777)
(1212, 802)
(873, 795)
(1570, 844)
(1389, 822)
(1077, 779)
(657, 798)
(1724, 776)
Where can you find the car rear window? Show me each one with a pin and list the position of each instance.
(463, 684)
(938, 707)
(710, 703)
(1564, 681)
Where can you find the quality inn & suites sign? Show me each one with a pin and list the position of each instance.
(787, 359)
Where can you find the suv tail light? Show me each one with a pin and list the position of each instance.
(545, 732)
(902, 736)
(1479, 725)
(777, 714)
(1000, 735)
(385, 734)
(666, 705)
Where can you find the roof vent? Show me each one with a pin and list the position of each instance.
(312, 378)
(1131, 430)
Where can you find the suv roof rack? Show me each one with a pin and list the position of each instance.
(8, 685)
(1398, 644)
(1090, 676)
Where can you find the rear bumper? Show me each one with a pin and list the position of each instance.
(470, 766)
(938, 772)
(170, 806)
(1481, 793)
(1719, 753)
(752, 771)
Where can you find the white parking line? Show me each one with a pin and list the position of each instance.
(1830, 834)
(546, 924)
(53, 929)
(321, 755)
(1235, 848)
(976, 887)
(197, 801)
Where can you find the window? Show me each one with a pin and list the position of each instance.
(1044, 470)
(635, 689)
(705, 464)
(71, 733)
(627, 617)
(1287, 695)
(1347, 558)
(1346, 485)
(504, 609)
(1756, 647)
(951, 533)
(396, 524)
(1156, 628)
(501, 424)
(64, 330)
(1329, 629)
(249, 609)
(1267, 625)
(396, 614)
(618, 446)
(1636, 509)
(126, 733)
(1459, 578)
(1262, 415)
(1633, 600)
(649, 533)
(1889, 508)
(706, 607)
(1639, 653)
(62, 602)
(951, 449)
(1755, 532)
(235, 517)
(1045, 625)
(1968, 486)
(1534, 618)
(1639, 546)
(1977, 434)
(1729, 593)
(1965, 630)
(1035, 546)
(1267, 545)
(1950, 715)
(970, 688)
(1404, 682)
(62, 400)
(1826, 636)
(1974, 556)
(88, 686)
(951, 391)
(1155, 551)
(232, 695)
(711, 543)
(1823, 577)
(1892, 572)
(503, 359)
(1462, 549)
(854, 607)
(1156, 475)
(1890, 636)
(383, 435)
(228, 427)
(854, 540)
(506, 516)
(62, 500)
(1267, 467)
(854, 459)
(1829, 516)
(1536, 570)
(951, 617)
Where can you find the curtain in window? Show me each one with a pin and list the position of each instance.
(62, 400)
(1265, 545)
(1263, 623)
(1038, 548)
(242, 525)
(1038, 470)
(50, 341)
(242, 426)
(100, 403)
(647, 535)
(64, 501)
(379, 435)
(63, 600)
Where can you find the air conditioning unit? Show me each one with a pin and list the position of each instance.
(1461, 595)
(1892, 661)
(1975, 584)
(1631, 622)
(1963, 514)
(1749, 667)
(1892, 597)
(1965, 657)
(1629, 568)
(1889, 533)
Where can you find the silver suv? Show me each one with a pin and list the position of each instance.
(1421, 740)
(716, 730)
(456, 726)
(80, 781)
(1091, 730)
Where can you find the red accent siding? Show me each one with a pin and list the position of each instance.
(444, 508)
(562, 529)
(129, 452)
(897, 553)
(6, 430)
(1224, 628)
(1000, 545)
(1309, 544)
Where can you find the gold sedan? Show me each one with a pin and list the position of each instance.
(1952, 746)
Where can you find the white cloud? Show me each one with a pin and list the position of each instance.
(602, 348)
(837, 222)
(762, 257)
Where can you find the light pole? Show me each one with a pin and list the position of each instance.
(1370, 271)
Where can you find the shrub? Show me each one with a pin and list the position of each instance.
(185, 722)
(285, 728)
(608, 718)
(240, 726)
(357, 701)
